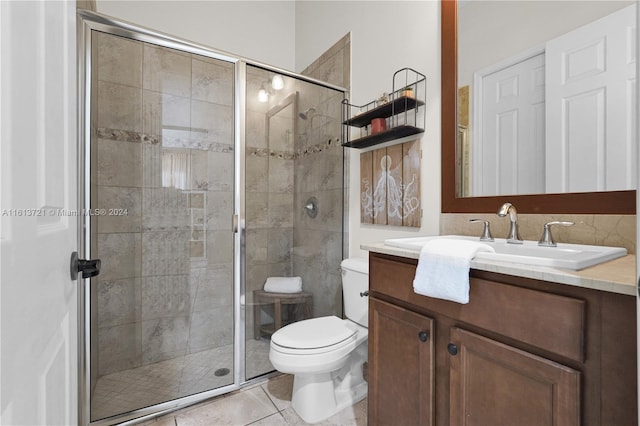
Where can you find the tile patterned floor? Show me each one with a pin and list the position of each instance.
(264, 404)
(167, 380)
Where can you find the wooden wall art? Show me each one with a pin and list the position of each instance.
(390, 185)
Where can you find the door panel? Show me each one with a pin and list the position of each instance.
(39, 212)
(401, 363)
(591, 130)
(495, 384)
(509, 156)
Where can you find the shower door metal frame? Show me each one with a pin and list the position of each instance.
(88, 22)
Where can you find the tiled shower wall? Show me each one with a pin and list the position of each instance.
(161, 148)
(288, 160)
(319, 243)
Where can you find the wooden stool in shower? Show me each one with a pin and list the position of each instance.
(298, 306)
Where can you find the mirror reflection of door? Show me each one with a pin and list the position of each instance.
(549, 114)
(509, 149)
(590, 106)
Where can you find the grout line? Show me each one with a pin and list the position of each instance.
(269, 396)
(270, 415)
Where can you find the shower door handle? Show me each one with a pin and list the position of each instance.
(88, 267)
(234, 224)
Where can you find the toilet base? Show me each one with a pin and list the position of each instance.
(317, 397)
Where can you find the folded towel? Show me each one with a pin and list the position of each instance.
(443, 268)
(283, 285)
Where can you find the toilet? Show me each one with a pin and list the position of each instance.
(326, 354)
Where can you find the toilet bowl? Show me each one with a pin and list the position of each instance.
(326, 354)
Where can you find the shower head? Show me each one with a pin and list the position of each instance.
(306, 113)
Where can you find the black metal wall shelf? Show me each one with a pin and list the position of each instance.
(385, 136)
(386, 110)
(400, 113)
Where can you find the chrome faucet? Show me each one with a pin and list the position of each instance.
(547, 239)
(509, 209)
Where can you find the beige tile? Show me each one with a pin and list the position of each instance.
(351, 416)
(256, 246)
(165, 296)
(255, 129)
(119, 107)
(163, 112)
(272, 420)
(279, 390)
(211, 122)
(167, 71)
(221, 169)
(123, 207)
(164, 338)
(220, 246)
(257, 174)
(220, 210)
(196, 249)
(257, 210)
(196, 200)
(280, 210)
(280, 175)
(212, 81)
(120, 254)
(119, 60)
(281, 131)
(165, 252)
(609, 230)
(211, 328)
(119, 163)
(239, 408)
(119, 347)
(118, 302)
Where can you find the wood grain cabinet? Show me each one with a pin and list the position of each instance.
(521, 352)
(401, 381)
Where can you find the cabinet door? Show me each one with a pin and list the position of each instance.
(400, 366)
(495, 384)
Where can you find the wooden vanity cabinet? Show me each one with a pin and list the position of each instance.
(522, 352)
(400, 366)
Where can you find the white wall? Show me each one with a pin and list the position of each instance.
(385, 36)
(259, 30)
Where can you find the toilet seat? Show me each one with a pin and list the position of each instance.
(312, 336)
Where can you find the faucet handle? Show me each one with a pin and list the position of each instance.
(486, 232)
(547, 239)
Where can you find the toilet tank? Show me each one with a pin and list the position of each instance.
(355, 280)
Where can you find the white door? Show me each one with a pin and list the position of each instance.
(591, 106)
(38, 300)
(508, 147)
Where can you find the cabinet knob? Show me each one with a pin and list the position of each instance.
(453, 349)
(423, 336)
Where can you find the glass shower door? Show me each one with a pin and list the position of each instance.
(294, 205)
(162, 182)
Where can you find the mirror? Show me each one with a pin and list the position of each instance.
(583, 200)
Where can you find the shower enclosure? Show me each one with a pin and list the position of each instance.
(197, 167)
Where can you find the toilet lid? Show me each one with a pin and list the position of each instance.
(313, 333)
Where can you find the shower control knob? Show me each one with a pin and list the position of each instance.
(423, 336)
(452, 348)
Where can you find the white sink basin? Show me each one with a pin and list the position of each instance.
(567, 256)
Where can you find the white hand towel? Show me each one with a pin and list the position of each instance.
(443, 268)
(283, 285)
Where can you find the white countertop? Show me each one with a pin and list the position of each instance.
(616, 276)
